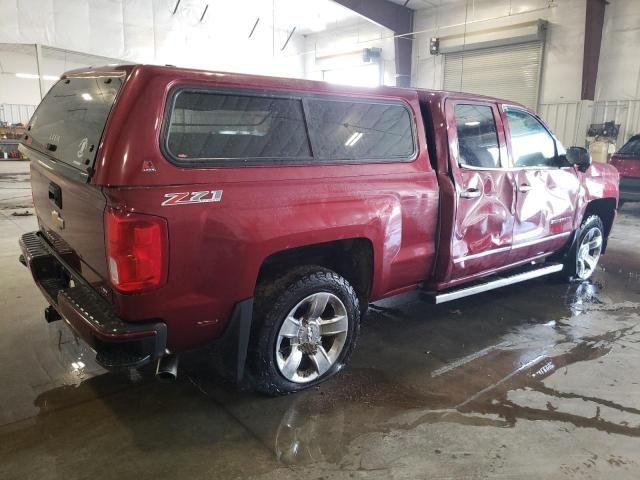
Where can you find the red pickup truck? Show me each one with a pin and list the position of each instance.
(181, 208)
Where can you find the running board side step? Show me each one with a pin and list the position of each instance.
(497, 282)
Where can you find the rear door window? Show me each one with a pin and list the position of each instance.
(220, 126)
(478, 145)
(348, 130)
(69, 122)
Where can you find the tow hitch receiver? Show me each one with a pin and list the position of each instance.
(51, 314)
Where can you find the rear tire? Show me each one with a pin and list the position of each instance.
(307, 324)
(583, 257)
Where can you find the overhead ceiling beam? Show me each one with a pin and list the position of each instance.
(594, 22)
(398, 19)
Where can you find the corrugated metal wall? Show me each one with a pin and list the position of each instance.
(623, 112)
(570, 120)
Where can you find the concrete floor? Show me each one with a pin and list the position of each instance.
(539, 380)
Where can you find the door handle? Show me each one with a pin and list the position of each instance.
(470, 193)
(525, 187)
(55, 194)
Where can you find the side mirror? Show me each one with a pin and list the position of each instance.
(580, 157)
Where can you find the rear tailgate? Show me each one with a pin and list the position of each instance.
(62, 141)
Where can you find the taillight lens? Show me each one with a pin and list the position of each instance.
(136, 250)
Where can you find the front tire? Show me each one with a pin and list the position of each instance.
(307, 325)
(585, 254)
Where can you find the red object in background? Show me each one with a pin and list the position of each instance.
(627, 162)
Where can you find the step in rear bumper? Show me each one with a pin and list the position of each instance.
(117, 343)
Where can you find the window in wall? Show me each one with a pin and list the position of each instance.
(531, 144)
(345, 130)
(477, 136)
(208, 125)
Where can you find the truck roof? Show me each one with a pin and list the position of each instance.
(280, 83)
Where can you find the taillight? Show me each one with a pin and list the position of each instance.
(136, 250)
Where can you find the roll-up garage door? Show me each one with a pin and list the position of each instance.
(511, 72)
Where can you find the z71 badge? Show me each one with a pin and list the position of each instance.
(185, 198)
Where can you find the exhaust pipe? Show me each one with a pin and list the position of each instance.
(168, 367)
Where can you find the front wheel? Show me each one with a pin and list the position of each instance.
(308, 326)
(584, 256)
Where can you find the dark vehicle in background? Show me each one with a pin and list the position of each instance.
(181, 208)
(627, 162)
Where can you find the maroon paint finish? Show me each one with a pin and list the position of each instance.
(627, 164)
(83, 207)
(216, 249)
(545, 206)
(483, 229)
(411, 213)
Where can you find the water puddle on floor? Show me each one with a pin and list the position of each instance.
(546, 365)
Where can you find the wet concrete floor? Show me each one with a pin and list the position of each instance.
(538, 380)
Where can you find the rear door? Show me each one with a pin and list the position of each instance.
(482, 235)
(546, 187)
(62, 139)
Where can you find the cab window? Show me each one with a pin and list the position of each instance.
(531, 144)
(477, 136)
(632, 147)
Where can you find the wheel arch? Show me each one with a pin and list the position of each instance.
(350, 258)
(605, 208)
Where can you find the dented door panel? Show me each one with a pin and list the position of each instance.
(485, 197)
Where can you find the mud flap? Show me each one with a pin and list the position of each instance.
(230, 351)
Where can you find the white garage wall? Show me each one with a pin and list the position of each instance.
(18, 59)
(147, 31)
(343, 46)
(562, 63)
(618, 83)
(21, 59)
(619, 69)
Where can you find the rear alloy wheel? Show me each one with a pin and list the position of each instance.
(308, 328)
(588, 249)
(312, 337)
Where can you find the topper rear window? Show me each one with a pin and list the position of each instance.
(69, 122)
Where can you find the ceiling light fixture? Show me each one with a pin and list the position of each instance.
(27, 75)
(34, 76)
(353, 139)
